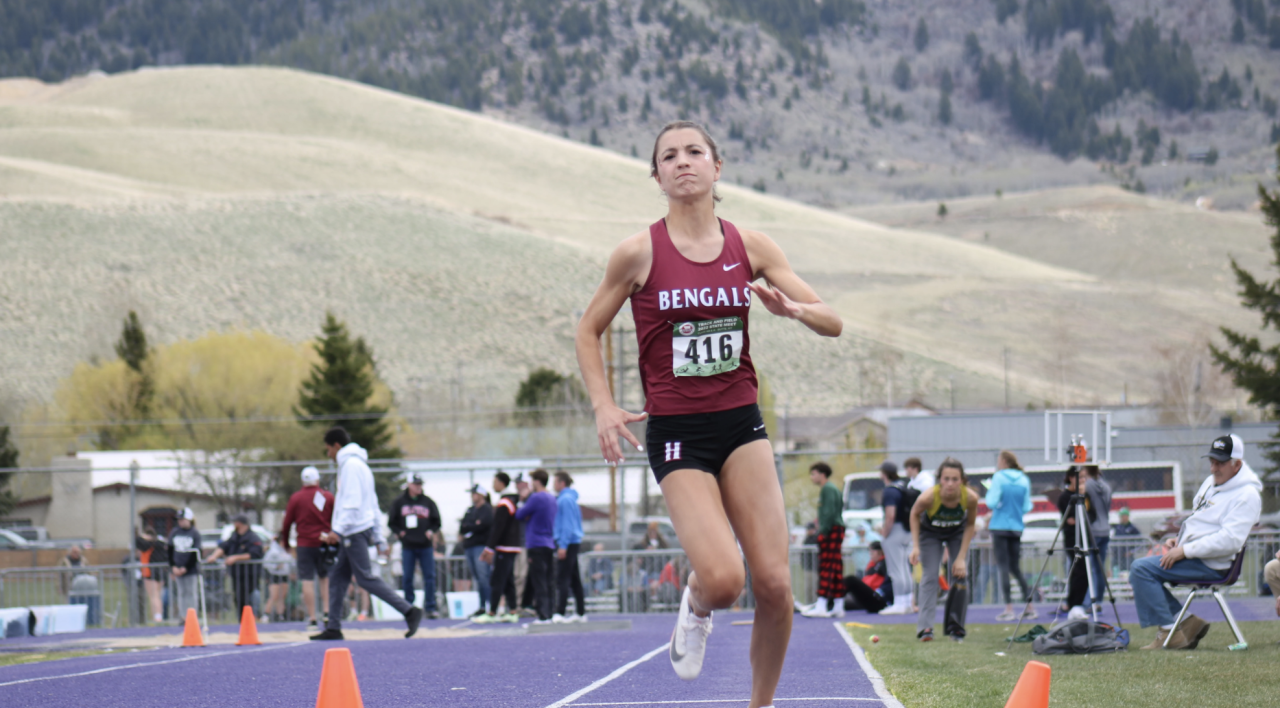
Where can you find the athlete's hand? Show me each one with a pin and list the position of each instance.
(914, 558)
(776, 301)
(957, 568)
(611, 421)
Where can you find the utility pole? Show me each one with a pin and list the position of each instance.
(133, 539)
(952, 384)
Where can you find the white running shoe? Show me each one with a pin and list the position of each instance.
(816, 612)
(897, 609)
(1077, 613)
(577, 618)
(689, 641)
(838, 611)
(559, 618)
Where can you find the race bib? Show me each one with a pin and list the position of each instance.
(411, 521)
(706, 348)
(318, 500)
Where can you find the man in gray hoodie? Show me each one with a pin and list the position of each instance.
(355, 528)
(1225, 509)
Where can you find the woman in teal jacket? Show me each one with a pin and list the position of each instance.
(1009, 498)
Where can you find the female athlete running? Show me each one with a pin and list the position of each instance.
(690, 280)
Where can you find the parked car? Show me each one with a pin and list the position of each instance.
(208, 541)
(38, 537)
(636, 529)
(10, 541)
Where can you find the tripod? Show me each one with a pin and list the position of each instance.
(1083, 551)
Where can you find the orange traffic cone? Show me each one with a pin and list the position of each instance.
(1032, 689)
(338, 686)
(248, 628)
(191, 636)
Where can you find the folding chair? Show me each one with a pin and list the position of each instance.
(1214, 586)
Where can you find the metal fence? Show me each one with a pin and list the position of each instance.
(615, 581)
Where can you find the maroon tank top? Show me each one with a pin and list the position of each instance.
(691, 323)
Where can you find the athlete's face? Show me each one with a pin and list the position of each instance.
(951, 482)
(686, 168)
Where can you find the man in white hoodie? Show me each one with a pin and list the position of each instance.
(355, 529)
(1225, 509)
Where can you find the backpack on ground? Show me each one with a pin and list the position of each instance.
(1082, 636)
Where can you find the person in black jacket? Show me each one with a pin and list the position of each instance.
(415, 520)
(474, 531)
(184, 562)
(243, 545)
(501, 550)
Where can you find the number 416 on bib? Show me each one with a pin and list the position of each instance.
(706, 348)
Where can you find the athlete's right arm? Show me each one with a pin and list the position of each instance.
(922, 502)
(627, 270)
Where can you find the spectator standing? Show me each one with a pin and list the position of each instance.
(1078, 581)
(917, 478)
(1009, 499)
(1272, 573)
(502, 549)
(1225, 508)
(355, 527)
(653, 540)
(241, 547)
(80, 588)
(415, 520)
(278, 564)
(897, 540)
(568, 540)
(474, 532)
(153, 550)
(1100, 495)
(310, 510)
(184, 562)
(539, 509)
(600, 571)
(830, 542)
(942, 518)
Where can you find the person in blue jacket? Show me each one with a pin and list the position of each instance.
(568, 538)
(538, 508)
(1009, 498)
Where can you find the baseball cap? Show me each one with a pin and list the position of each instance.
(888, 467)
(414, 479)
(1227, 447)
(310, 474)
(1124, 510)
(187, 514)
(240, 519)
(478, 489)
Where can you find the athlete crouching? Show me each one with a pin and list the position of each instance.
(690, 278)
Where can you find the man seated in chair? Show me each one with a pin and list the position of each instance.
(1225, 509)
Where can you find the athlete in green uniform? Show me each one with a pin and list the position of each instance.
(942, 516)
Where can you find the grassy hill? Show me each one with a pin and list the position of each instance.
(209, 198)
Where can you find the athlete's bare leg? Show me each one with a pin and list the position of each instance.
(701, 511)
(753, 500)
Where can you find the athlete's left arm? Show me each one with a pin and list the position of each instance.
(784, 293)
(958, 568)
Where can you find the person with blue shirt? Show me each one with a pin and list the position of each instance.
(538, 508)
(568, 538)
(1009, 499)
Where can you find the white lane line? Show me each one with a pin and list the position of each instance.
(877, 681)
(194, 657)
(616, 673)
(719, 700)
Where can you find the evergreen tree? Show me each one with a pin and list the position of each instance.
(944, 109)
(544, 389)
(133, 350)
(1237, 31)
(340, 392)
(972, 51)
(1253, 366)
(902, 74)
(8, 459)
(922, 35)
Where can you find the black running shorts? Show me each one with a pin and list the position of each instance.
(310, 564)
(700, 441)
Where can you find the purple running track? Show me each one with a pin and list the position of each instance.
(524, 671)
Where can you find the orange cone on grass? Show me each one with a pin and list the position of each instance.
(338, 686)
(248, 628)
(191, 636)
(1032, 689)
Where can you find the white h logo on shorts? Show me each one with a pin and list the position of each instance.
(673, 451)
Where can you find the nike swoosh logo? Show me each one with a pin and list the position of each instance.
(676, 657)
(731, 267)
(758, 427)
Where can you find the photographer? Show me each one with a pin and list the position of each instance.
(1075, 485)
